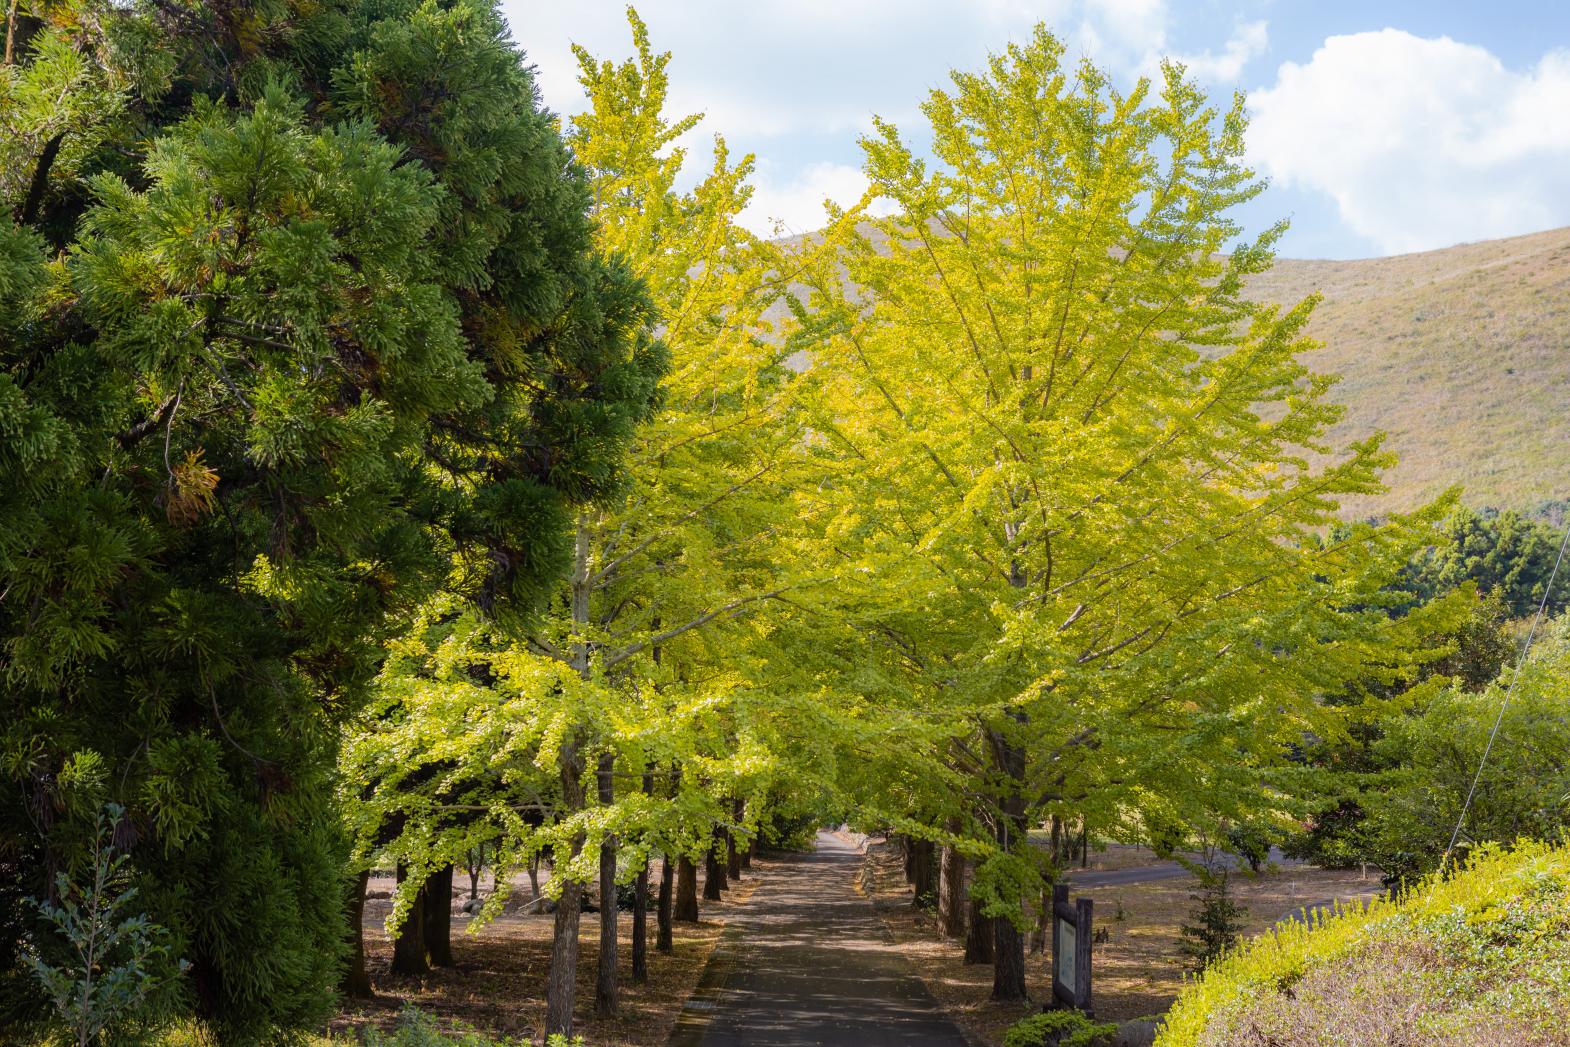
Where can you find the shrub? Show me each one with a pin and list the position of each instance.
(106, 970)
(1250, 843)
(1217, 919)
(1474, 958)
(1058, 1029)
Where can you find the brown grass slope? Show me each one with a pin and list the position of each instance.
(1461, 355)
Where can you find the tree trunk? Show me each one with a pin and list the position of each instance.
(924, 874)
(978, 935)
(746, 854)
(438, 917)
(951, 886)
(686, 891)
(475, 867)
(356, 980)
(713, 870)
(561, 984)
(662, 938)
(732, 855)
(409, 955)
(640, 926)
(640, 908)
(1008, 961)
(1038, 936)
(605, 979)
(534, 881)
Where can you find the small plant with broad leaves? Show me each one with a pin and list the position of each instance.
(105, 970)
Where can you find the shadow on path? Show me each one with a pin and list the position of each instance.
(808, 962)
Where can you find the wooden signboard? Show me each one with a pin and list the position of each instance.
(1070, 950)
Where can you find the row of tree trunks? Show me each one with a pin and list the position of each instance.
(425, 940)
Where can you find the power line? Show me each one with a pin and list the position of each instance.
(1509, 691)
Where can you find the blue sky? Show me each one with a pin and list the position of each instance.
(1383, 126)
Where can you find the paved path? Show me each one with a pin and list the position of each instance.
(807, 962)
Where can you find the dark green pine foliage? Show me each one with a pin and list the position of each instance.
(299, 321)
(1506, 553)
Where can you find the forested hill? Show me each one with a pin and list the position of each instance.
(1461, 355)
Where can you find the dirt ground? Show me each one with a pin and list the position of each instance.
(1140, 968)
(498, 985)
(1105, 857)
(1137, 971)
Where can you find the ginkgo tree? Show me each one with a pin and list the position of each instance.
(1077, 474)
(629, 714)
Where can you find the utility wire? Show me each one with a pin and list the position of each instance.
(1509, 691)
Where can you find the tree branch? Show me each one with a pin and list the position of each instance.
(609, 569)
(46, 160)
(727, 611)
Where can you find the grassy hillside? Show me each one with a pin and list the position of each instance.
(1479, 960)
(1461, 355)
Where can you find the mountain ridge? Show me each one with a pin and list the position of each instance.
(1461, 355)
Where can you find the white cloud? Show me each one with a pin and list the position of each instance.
(1421, 143)
(1247, 42)
(782, 67)
(796, 205)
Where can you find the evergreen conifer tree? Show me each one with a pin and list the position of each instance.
(300, 320)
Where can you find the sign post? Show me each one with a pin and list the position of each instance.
(1070, 950)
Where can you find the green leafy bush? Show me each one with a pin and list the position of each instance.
(1058, 1029)
(1482, 956)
